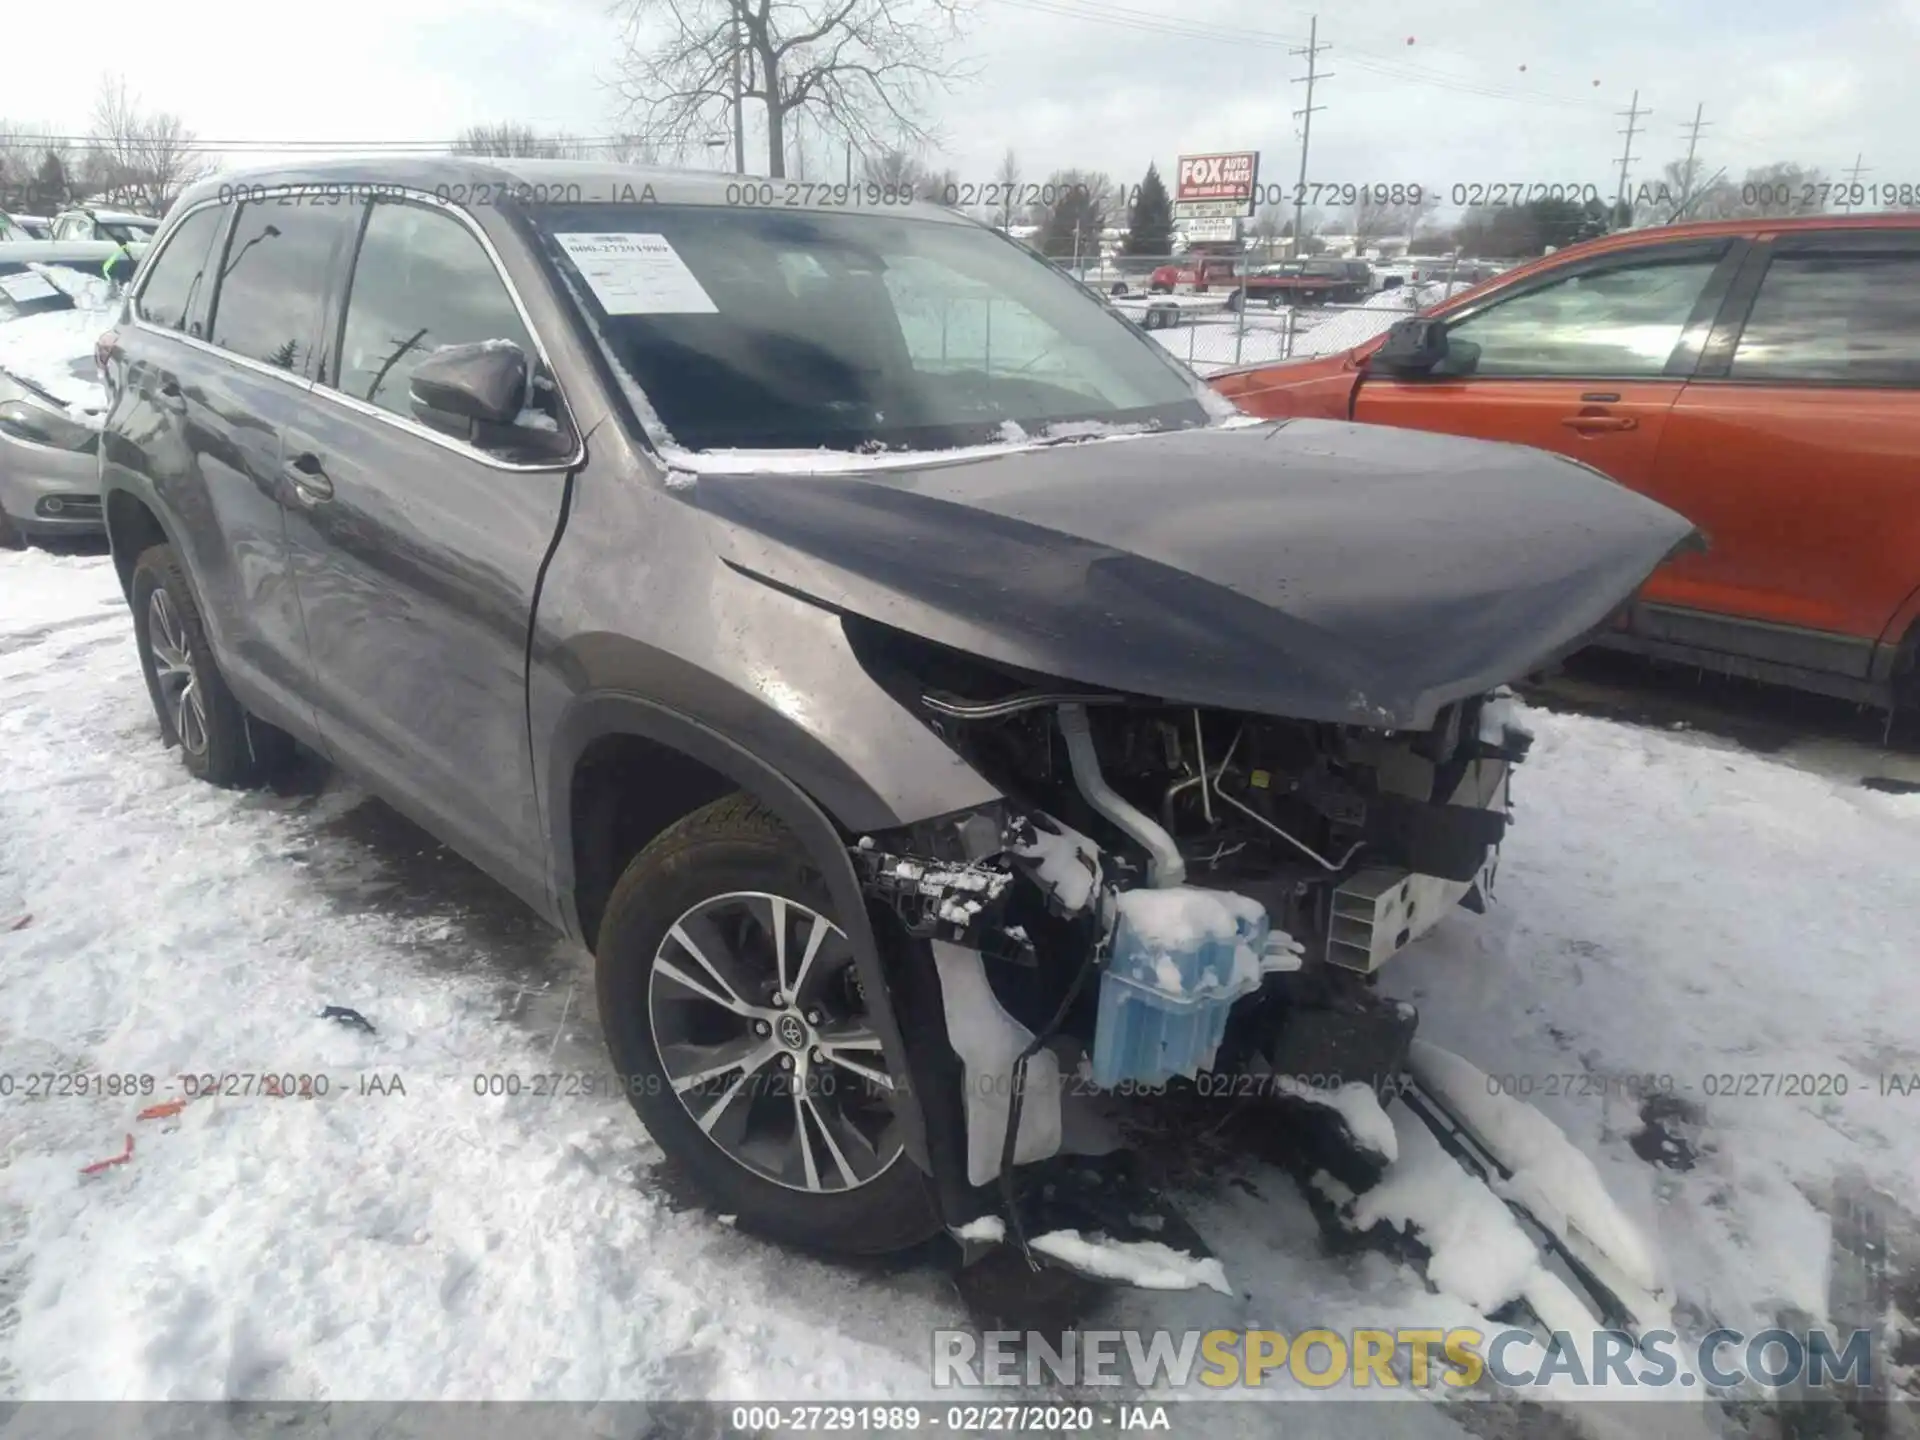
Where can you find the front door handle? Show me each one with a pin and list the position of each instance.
(310, 483)
(1600, 424)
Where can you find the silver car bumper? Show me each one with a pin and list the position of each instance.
(48, 491)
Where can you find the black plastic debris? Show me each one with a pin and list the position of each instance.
(347, 1017)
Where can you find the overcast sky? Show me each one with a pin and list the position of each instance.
(1487, 90)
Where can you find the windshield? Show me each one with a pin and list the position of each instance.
(800, 330)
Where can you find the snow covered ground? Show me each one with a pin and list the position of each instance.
(1672, 905)
(1210, 338)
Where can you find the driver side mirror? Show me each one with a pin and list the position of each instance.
(483, 393)
(485, 381)
(1414, 346)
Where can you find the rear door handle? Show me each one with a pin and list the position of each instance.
(310, 483)
(1600, 424)
(168, 395)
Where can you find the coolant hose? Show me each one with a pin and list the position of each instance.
(1164, 865)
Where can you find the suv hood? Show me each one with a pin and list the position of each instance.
(1313, 569)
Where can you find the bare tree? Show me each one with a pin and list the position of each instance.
(1373, 219)
(1782, 188)
(631, 150)
(1683, 186)
(511, 139)
(1308, 242)
(1007, 178)
(942, 187)
(861, 69)
(892, 169)
(140, 160)
(1269, 224)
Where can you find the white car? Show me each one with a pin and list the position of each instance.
(121, 226)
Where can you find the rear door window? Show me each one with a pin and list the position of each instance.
(1844, 316)
(173, 294)
(272, 275)
(422, 280)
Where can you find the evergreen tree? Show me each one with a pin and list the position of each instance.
(48, 190)
(1070, 226)
(1150, 218)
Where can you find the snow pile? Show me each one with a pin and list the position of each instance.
(1501, 714)
(1479, 1251)
(1552, 1178)
(985, 1230)
(1356, 1104)
(1146, 1263)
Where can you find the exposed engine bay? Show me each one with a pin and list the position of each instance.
(1352, 841)
(1174, 894)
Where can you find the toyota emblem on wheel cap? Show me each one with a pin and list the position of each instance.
(792, 1033)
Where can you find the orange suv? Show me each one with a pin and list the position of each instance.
(1762, 377)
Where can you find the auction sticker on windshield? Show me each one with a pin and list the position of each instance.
(636, 274)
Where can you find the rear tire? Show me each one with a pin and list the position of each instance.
(797, 1143)
(219, 741)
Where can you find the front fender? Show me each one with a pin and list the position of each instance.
(604, 712)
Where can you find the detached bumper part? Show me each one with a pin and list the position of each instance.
(988, 1042)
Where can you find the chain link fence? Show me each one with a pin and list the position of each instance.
(1209, 337)
(1211, 331)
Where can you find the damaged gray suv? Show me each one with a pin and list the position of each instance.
(935, 709)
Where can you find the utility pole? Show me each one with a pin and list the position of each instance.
(739, 126)
(1853, 178)
(1632, 115)
(1314, 47)
(1693, 143)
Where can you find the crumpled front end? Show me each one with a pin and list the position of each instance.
(1179, 901)
(1158, 872)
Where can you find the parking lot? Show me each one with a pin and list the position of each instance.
(1677, 901)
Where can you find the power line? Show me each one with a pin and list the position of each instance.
(1693, 143)
(1853, 178)
(1312, 53)
(1392, 68)
(1632, 114)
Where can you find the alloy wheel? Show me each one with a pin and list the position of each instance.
(760, 1025)
(181, 696)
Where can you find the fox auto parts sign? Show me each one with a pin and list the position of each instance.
(1216, 185)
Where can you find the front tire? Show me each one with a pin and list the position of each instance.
(734, 1014)
(219, 742)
